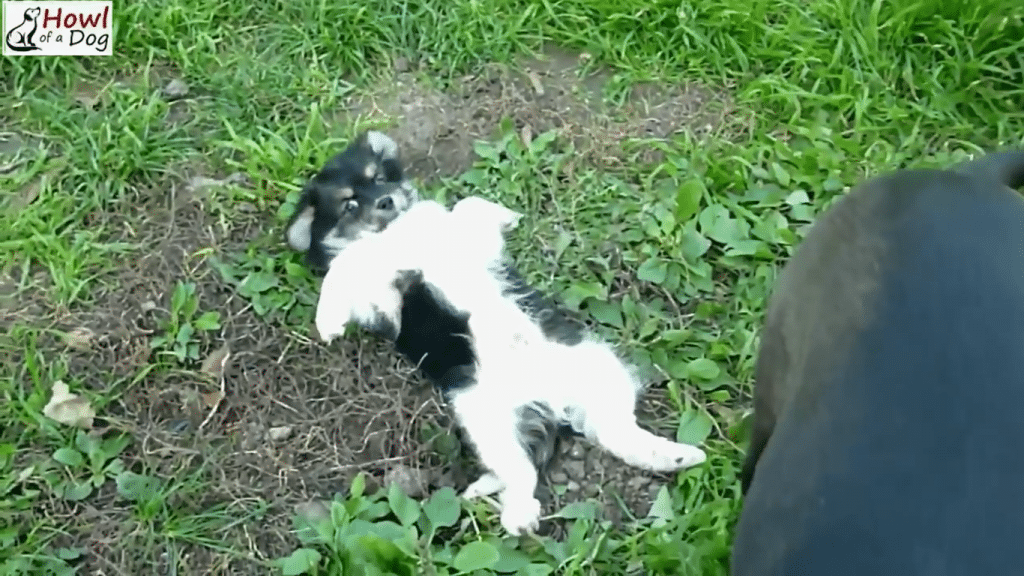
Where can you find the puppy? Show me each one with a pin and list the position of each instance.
(514, 367)
(888, 436)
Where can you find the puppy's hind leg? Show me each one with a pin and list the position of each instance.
(484, 486)
(494, 434)
(605, 416)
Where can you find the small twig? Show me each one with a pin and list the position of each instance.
(223, 392)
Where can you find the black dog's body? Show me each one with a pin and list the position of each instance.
(888, 431)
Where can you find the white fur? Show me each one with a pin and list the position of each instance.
(381, 144)
(587, 385)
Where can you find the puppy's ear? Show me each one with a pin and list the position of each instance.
(380, 144)
(299, 232)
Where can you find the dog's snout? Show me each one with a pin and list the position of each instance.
(386, 203)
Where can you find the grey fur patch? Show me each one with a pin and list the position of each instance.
(538, 432)
(556, 323)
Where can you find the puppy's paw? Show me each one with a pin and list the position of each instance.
(520, 515)
(486, 485)
(479, 210)
(668, 456)
(332, 316)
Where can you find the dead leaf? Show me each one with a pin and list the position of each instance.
(30, 191)
(67, 408)
(527, 135)
(211, 399)
(216, 362)
(189, 399)
(279, 432)
(412, 481)
(9, 167)
(200, 182)
(89, 94)
(535, 81)
(80, 338)
(27, 196)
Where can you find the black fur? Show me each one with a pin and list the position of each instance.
(342, 178)
(888, 436)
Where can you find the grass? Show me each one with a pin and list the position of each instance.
(102, 211)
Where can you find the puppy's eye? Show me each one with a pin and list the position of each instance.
(385, 203)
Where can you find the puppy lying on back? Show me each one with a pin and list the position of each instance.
(514, 367)
(888, 433)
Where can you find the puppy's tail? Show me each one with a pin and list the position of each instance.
(1007, 168)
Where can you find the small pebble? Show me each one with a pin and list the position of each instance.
(559, 477)
(179, 426)
(575, 469)
(412, 481)
(314, 511)
(652, 491)
(80, 338)
(279, 432)
(175, 89)
(577, 451)
(372, 484)
(572, 486)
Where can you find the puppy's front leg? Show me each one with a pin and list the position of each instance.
(365, 289)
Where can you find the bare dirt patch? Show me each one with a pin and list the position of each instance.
(436, 129)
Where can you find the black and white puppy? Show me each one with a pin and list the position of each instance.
(887, 433)
(514, 367)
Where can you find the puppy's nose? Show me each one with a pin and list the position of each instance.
(385, 203)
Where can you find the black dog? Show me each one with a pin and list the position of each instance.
(888, 433)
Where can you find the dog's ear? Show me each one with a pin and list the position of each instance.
(299, 232)
(380, 144)
(384, 147)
